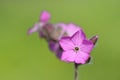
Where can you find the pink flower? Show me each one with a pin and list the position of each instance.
(44, 18)
(76, 48)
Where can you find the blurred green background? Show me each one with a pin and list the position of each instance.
(24, 57)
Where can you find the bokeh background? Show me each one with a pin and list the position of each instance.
(24, 57)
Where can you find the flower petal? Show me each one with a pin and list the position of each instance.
(68, 56)
(78, 37)
(72, 29)
(87, 46)
(66, 43)
(62, 25)
(45, 16)
(34, 29)
(81, 57)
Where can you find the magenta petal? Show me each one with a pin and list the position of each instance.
(68, 56)
(66, 43)
(81, 57)
(34, 29)
(87, 46)
(62, 25)
(72, 29)
(78, 37)
(45, 16)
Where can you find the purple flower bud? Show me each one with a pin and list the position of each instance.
(94, 39)
(54, 46)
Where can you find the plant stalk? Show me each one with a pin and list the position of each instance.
(76, 71)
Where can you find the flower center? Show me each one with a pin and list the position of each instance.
(76, 48)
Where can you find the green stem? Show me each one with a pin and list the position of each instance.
(76, 71)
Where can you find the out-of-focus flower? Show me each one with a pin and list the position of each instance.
(68, 29)
(76, 48)
(54, 46)
(44, 18)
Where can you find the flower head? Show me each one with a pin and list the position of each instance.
(76, 48)
(67, 41)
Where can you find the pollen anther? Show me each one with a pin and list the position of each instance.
(76, 48)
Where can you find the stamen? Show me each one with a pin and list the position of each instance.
(76, 48)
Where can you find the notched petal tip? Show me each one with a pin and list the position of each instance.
(94, 39)
(78, 37)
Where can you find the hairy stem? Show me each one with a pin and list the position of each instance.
(76, 71)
